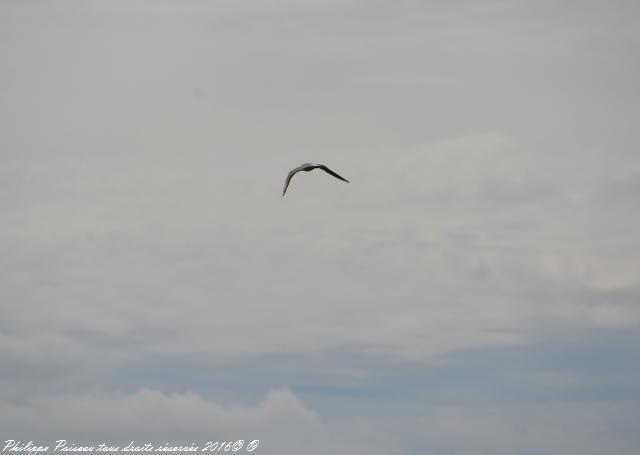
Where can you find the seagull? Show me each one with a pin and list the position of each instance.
(309, 167)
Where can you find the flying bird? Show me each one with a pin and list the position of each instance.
(306, 167)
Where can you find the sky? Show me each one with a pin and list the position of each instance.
(474, 289)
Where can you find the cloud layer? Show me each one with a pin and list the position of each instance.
(153, 280)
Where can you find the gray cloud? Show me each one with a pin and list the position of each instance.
(491, 148)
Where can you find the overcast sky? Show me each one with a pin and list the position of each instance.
(474, 289)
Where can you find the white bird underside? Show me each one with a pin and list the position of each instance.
(309, 167)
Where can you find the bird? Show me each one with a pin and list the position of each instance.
(306, 167)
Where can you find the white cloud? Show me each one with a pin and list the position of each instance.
(491, 148)
(156, 415)
(282, 423)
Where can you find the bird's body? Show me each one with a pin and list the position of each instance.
(306, 167)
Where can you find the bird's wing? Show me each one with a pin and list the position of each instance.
(289, 175)
(329, 171)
